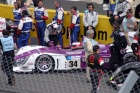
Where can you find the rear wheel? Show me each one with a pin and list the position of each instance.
(45, 63)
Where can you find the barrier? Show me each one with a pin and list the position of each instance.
(103, 28)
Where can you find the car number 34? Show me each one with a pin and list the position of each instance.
(74, 64)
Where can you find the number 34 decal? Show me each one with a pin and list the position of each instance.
(74, 64)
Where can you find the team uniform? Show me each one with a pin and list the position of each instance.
(50, 30)
(24, 27)
(75, 26)
(119, 44)
(120, 10)
(96, 63)
(59, 16)
(17, 15)
(90, 19)
(40, 23)
(2, 25)
(7, 46)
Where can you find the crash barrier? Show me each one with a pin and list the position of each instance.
(103, 29)
(67, 81)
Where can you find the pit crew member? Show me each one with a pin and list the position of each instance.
(75, 24)
(7, 45)
(51, 32)
(17, 13)
(118, 47)
(24, 27)
(96, 63)
(90, 19)
(17, 16)
(59, 16)
(41, 15)
(2, 25)
(88, 44)
(120, 11)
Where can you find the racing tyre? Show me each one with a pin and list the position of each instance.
(130, 57)
(45, 63)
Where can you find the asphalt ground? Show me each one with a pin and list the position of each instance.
(56, 82)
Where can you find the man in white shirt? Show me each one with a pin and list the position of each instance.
(90, 19)
(2, 25)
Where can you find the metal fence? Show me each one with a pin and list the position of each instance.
(72, 81)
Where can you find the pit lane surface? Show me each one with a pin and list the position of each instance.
(57, 82)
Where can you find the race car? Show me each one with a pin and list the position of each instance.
(45, 59)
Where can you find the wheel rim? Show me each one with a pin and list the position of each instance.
(130, 58)
(44, 63)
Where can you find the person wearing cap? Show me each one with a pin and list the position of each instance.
(74, 27)
(24, 27)
(117, 48)
(90, 19)
(88, 44)
(129, 24)
(59, 16)
(2, 25)
(51, 33)
(40, 15)
(120, 12)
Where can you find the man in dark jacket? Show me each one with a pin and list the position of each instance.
(117, 48)
(137, 11)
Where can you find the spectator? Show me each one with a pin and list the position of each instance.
(10, 2)
(2, 26)
(75, 24)
(112, 7)
(24, 27)
(35, 3)
(23, 6)
(7, 45)
(129, 24)
(41, 15)
(29, 3)
(131, 5)
(88, 43)
(90, 19)
(120, 12)
(137, 11)
(59, 16)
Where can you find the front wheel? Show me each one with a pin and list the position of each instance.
(44, 63)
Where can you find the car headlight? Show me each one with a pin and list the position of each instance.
(21, 61)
